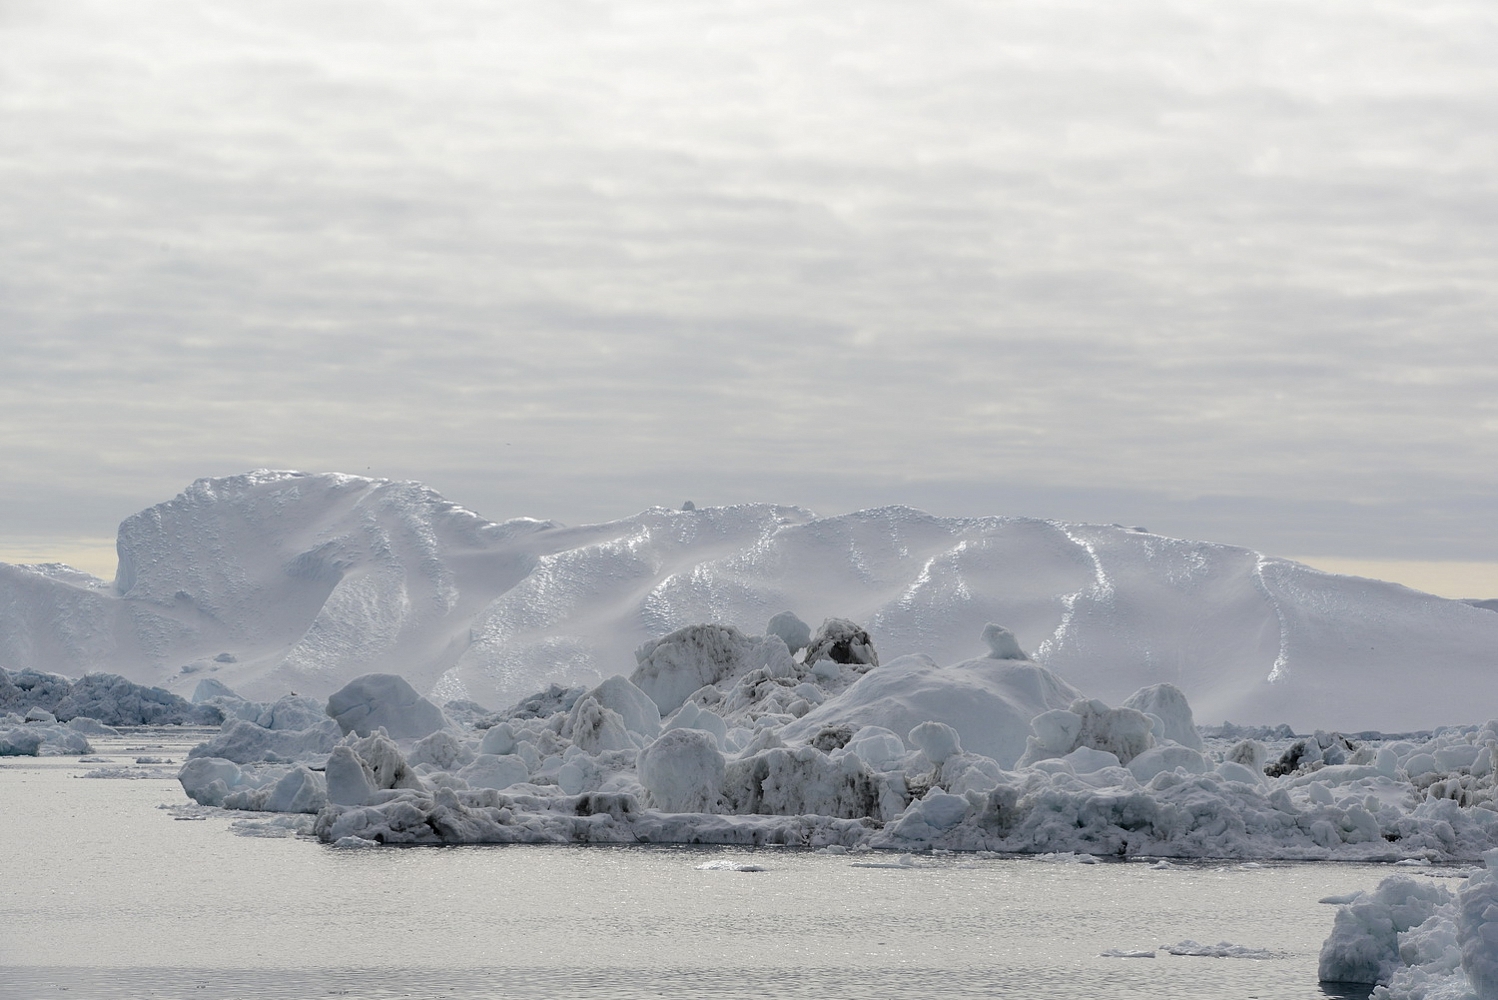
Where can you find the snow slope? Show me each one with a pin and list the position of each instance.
(275, 581)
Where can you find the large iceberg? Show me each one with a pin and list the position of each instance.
(277, 581)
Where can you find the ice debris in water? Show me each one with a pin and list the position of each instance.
(1419, 941)
(726, 738)
(1222, 949)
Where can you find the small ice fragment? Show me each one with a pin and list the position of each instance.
(1125, 953)
(1222, 949)
(904, 861)
(354, 843)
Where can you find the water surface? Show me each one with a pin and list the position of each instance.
(108, 895)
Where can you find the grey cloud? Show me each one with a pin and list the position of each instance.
(851, 253)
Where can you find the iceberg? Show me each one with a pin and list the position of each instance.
(275, 581)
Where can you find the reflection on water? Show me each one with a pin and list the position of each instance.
(108, 897)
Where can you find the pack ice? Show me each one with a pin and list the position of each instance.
(278, 581)
(719, 736)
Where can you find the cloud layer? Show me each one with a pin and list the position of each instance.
(1225, 267)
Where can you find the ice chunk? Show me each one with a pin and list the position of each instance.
(91, 727)
(207, 780)
(386, 764)
(730, 866)
(941, 810)
(495, 771)
(351, 782)
(1086, 760)
(790, 781)
(499, 739)
(1002, 645)
(291, 712)
(878, 747)
(41, 739)
(842, 641)
(638, 712)
(1364, 944)
(936, 740)
(673, 666)
(1234, 771)
(694, 716)
(794, 632)
(300, 790)
(988, 702)
(384, 701)
(1123, 732)
(1222, 949)
(116, 701)
(1166, 703)
(244, 742)
(596, 728)
(442, 750)
(211, 687)
(1477, 930)
(1168, 757)
(682, 771)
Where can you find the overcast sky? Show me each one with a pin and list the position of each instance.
(1228, 270)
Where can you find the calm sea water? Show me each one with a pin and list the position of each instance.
(107, 895)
